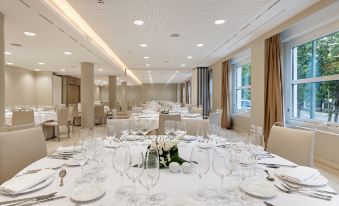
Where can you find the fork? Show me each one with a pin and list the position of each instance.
(309, 189)
(301, 193)
(37, 170)
(301, 190)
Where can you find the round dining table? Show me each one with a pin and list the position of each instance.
(178, 187)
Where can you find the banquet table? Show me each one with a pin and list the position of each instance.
(177, 186)
(39, 117)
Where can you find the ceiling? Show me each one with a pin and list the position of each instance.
(114, 20)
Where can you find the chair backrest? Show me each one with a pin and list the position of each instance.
(20, 148)
(63, 116)
(197, 110)
(215, 118)
(137, 110)
(22, 117)
(293, 144)
(165, 117)
(99, 111)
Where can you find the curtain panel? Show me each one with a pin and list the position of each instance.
(203, 89)
(273, 85)
(226, 120)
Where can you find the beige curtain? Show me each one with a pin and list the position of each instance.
(273, 85)
(226, 121)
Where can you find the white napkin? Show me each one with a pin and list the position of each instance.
(301, 174)
(22, 183)
(62, 149)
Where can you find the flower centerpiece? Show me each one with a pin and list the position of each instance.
(168, 152)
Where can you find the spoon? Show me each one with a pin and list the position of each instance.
(62, 174)
(269, 177)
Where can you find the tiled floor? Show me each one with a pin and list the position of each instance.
(52, 144)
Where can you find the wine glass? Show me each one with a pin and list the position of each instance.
(151, 175)
(134, 172)
(110, 134)
(257, 142)
(168, 127)
(99, 157)
(81, 156)
(222, 167)
(144, 128)
(124, 129)
(121, 162)
(134, 128)
(199, 132)
(200, 163)
(212, 133)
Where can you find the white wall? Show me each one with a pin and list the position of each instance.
(104, 94)
(43, 88)
(57, 90)
(19, 86)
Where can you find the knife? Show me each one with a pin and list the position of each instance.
(28, 198)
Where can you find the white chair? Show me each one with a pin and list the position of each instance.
(20, 148)
(22, 117)
(165, 117)
(137, 110)
(196, 110)
(215, 118)
(292, 144)
(76, 115)
(61, 122)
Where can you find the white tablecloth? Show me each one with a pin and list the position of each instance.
(39, 117)
(176, 186)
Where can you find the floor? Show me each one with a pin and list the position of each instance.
(330, 173)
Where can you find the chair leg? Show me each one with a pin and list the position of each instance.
(68, 130)
(58, 133)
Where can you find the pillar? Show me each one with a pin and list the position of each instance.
(112, 91)
(2, 72)
(124, 105)
(87, 95)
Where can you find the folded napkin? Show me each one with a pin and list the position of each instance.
(62, 149)
(300, 174)
(19, 184)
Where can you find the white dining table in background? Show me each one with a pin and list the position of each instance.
(39, 117)
(177, 186)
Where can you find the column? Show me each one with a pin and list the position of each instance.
(124, 105)
(2, 72)
(87, 95)
(112, 91)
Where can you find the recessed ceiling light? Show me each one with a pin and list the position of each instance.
(100, 70)
(29, 33)
(138, 22)
(9, 63)
(8, 53)
(37, 70)
(146, 57)
(143, 45)
(219, 21)
(183, 65)
(62, 70)
(41, 63)
(147, 65)
(67, 53)
(200, 45)
(189, 57)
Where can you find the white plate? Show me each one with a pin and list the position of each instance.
(85, 193)
(189, 138)
(38, 186)
(205, 145)
(258, 188)
(314, 182)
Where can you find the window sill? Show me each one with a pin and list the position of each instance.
(313, 124)
(242, 114)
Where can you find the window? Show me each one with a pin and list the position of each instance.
(315, 80)
(242, 88)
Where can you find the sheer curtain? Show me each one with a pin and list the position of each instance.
(226, 120)
(273, 85)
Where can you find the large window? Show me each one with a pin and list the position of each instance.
(242, 88)
(315, 80)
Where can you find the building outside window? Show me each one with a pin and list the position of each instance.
(242, 88)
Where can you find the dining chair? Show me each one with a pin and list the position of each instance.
(196, 110)
(20, 148)
(62, 121)
(165, 117)
(296, 145)
(22, 117)
(215, 118)
(76, 115)
(99, 115)
(137, 110)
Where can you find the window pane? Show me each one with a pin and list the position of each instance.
(243, 99)
(246, 75)
(317, 58)
(319, 101)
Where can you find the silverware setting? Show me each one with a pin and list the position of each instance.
(308, 194)
(37, 170)
(31, 200)
(298, 187)
(269, 177)
(62, 174)
(271, 165)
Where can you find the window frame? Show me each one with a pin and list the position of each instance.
(288, 80)
(235, 88)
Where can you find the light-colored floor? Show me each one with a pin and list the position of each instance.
(330, 173)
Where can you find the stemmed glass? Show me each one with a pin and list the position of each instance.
(212, 133)
(99, 158)
(81, 156)
(222, 167)
(200, 163)
(144, 128)
(124, 129)
(199, 133)
(168, 127)
(151, 174)
(121, 162)
(257, 142)
(134, 128)
(110, 134)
